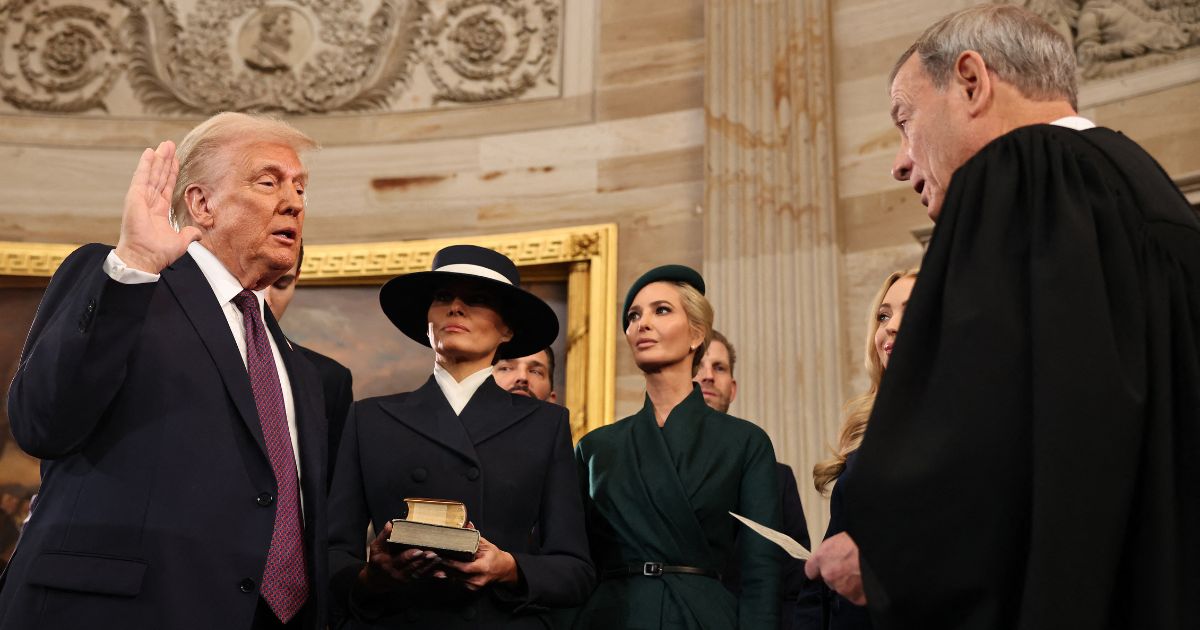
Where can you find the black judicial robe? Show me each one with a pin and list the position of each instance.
(1033, 459)
(664, 495)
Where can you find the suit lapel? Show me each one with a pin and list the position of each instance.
(427, 412)
(194, 294)
(311, 424)
(491, 411)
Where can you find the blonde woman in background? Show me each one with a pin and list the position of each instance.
(820, 606)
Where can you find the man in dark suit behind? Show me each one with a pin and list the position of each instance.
(336, 380)
(719, 387)
(182, 437)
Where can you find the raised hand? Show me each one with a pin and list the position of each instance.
(148, 240)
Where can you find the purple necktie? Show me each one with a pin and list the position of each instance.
(284, 580)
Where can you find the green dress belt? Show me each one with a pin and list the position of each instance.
(656, 569)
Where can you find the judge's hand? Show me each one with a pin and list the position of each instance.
(386, 570)
(491, 564)
(836, 562)
(148, 241)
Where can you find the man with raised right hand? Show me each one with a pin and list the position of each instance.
(182, 437)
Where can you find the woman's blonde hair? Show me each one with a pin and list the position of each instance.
(858, 409)
(700, 316)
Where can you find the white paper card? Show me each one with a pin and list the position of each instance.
(789, 544)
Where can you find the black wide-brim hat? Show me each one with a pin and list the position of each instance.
(406, 299)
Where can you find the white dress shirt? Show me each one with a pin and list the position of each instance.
(225, 287)
(459, 393)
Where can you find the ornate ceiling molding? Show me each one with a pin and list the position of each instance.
(140, 58)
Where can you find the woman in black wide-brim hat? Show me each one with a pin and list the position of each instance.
(662, 482)
(461, 437)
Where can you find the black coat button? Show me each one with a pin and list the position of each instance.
(246, 586)
(419, 474)
(469, 613)
(265, 499)
(91, 307)
(472, 473)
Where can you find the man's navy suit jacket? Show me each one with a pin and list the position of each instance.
(157, 501)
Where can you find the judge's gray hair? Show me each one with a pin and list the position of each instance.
(202, 157)
(1021, 48)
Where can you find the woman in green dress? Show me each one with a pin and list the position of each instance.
(660, 484)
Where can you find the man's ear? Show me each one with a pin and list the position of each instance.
(506, 335)
(733, 391)
(971, 77)
(553, 397)
(198, 206)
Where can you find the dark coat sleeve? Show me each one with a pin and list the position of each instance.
(1019, 428)
(761, 560)
(80, 341)
(337, 383)
(348, 521)
(560, 574)
(794, 525)
(339, 395)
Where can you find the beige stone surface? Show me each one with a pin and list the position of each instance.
(771, 233)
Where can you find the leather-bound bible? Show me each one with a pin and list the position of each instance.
(436, 525)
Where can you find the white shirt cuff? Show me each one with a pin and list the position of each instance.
(119, 271)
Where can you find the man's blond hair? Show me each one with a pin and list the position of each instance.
(202, 154)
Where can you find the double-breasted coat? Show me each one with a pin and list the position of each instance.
(508, 458)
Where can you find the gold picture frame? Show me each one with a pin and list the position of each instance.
(584, 256)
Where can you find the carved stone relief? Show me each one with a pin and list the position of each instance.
(190, 57)
(1115, 37)
(485, 50)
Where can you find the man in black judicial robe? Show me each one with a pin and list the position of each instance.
(1032, 459)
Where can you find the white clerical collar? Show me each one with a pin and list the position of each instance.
(223, 284)
(1078, 123)
(459, 393)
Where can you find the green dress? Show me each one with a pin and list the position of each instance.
(664, 495)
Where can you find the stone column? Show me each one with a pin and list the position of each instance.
(770, 222)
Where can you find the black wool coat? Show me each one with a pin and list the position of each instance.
(508, 458)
